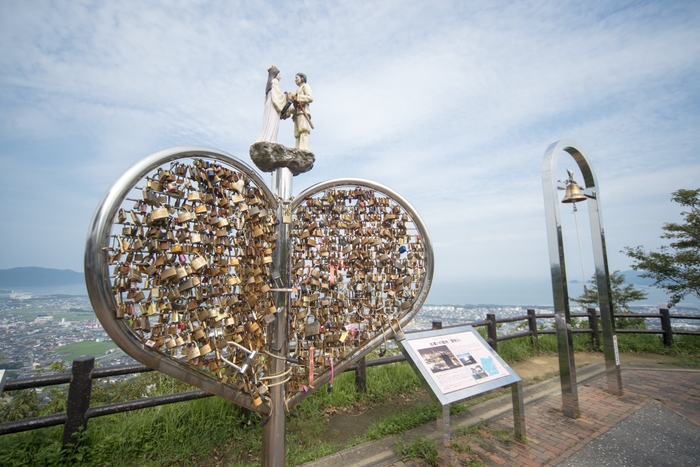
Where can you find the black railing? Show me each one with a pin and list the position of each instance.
(83, 372)
(78, 410)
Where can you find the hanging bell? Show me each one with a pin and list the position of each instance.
(573, 194)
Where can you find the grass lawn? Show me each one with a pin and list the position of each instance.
(72, 351)
(74, 315)
(30, 314)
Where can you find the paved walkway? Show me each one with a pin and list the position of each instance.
(660, 408)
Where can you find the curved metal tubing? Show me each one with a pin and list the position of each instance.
(558, 272)
(97, 269)
(422, 293)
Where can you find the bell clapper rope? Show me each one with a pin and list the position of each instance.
(580, 252)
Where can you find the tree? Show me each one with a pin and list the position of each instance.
(676, 267)
(24, 404)
(621, 295)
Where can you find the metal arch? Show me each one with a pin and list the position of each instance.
(558, 271)
(425, 286)
(97, 266)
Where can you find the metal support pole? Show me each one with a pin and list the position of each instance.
(607, 320)
(79, 393)
(560, 292)
(516, 391)
(567, 366)
(444, 451)
(274, 433)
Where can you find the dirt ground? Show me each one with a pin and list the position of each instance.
(547, 366)
(348, 424)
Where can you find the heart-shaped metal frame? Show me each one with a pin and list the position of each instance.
(190, 273)
(187, 286)
(362, 256)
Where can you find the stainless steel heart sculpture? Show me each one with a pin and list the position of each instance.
(180, 272)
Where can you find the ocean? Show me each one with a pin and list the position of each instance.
(522, 292)
(494, 292)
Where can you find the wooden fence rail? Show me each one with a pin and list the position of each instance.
(82, 373)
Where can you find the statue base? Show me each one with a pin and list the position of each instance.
(270, 156)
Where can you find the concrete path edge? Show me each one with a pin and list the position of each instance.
(380, 453)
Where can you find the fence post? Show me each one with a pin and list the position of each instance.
(532, 324)
(593, 324)
(437, 324)
(361, 375)
(666, 327)
(79, 393)
(491, 331)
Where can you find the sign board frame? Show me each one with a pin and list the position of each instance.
(451, 363)
(450, 341)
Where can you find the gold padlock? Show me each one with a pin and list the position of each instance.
(198, 263)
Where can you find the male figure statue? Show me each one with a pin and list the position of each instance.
(300, 112)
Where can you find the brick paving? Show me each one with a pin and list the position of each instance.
(552, 437)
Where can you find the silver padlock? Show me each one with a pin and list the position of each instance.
(398, 335)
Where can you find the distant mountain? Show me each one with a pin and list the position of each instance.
(39, 277)
(631, 277)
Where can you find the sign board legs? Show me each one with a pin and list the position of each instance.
(444, 451)
(518, 411)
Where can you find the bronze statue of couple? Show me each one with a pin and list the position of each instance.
(282, 105)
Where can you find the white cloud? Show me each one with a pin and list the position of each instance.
(451, 104)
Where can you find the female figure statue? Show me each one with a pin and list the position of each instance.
(275, 101)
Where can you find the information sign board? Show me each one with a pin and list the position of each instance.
(456, 363)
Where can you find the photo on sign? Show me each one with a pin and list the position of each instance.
(466, 359)
(439, 358)
(478, 372)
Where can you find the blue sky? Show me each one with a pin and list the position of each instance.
(450, 103)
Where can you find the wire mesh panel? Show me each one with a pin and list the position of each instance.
(361, 267)
(188, 252)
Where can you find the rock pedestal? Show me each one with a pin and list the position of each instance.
(270, 156)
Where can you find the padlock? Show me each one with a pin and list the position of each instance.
(256, 398)
(198, 263)
(205, 349)
(312, 327)
(192, 351)
(253, 327)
